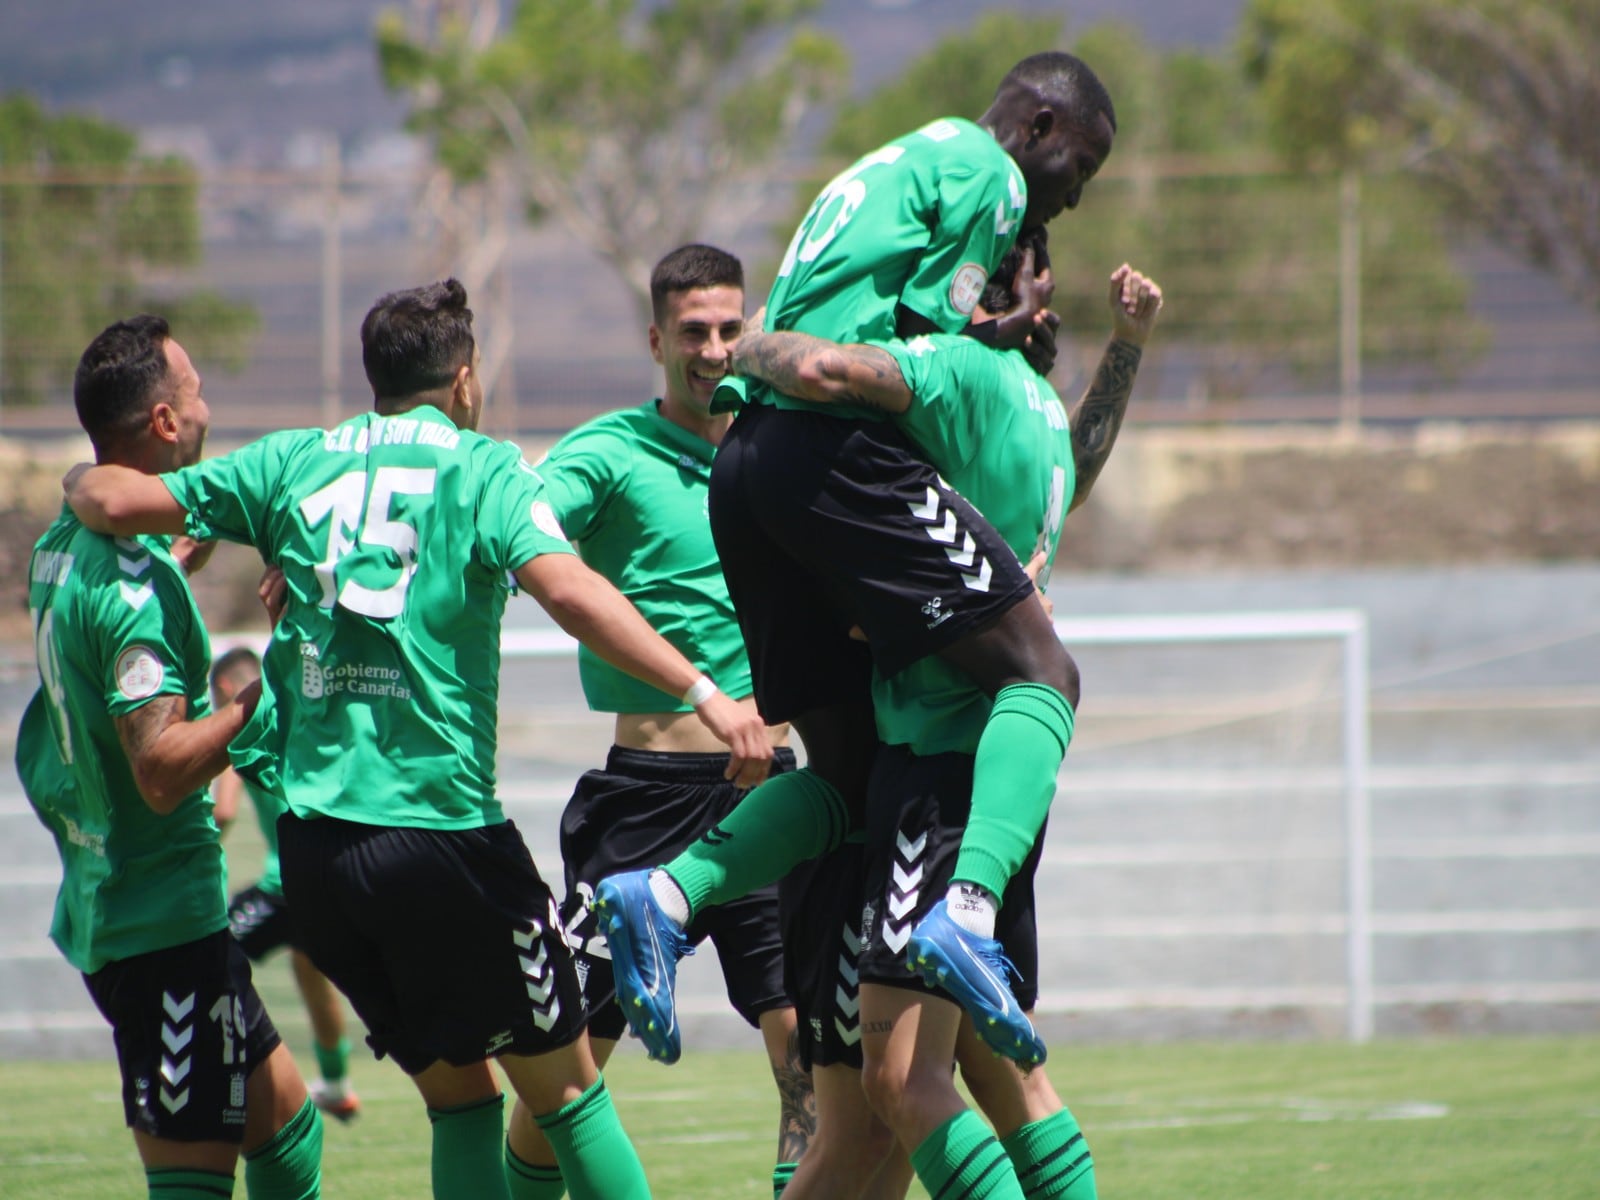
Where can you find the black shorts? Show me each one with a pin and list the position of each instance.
(189, 1028)
(259, 922)
(446, 941)
(642, 810)
(822, 523)
(917, 810)
(821, 907)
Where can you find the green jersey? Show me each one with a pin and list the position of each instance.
(395, 536)
(268, 809)
(997, 433)
(115, 626)
(918, 223)
(630, 488)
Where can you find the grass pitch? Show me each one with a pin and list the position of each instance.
(1463, 1120)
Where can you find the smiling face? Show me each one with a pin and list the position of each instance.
(693, 342)
(1058, 158)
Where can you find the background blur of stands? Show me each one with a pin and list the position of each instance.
(311, 249)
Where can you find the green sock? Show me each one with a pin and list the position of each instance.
(529, 1181)
(333, 1062)
(781, 1174)
(597, 1159)
(788, 819)
(1052, 1159)
(289, 1166)
(178, 1183)
(1013, 782)
(467, 1163)
(961, 1160)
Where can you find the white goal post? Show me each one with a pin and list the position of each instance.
(1346, 627)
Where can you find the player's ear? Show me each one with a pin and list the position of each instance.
(164, 421)
(461, 394)
(655, 342)
(1042, 125)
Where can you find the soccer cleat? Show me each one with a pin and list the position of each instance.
(646, 945)
(338, 1100)
(973, 971)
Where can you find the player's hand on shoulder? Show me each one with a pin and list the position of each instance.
(74, 473)
(743, 731)
(273, 592)
(190, 554)
(1033, 567)
(1033, 290)
(1040, 348)
(1135, 301)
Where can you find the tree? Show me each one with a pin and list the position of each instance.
(1245, 246)
(632, 130)
(1492, 102)
(85, 223)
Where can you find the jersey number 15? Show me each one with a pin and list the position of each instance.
(359, 521)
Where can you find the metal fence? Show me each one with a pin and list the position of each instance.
(1288, 299)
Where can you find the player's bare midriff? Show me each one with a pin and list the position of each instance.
(680, 732)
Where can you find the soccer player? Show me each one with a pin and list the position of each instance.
(827, 519)
(258, 916)
(396, 533)
(630, 489)
(114, 752)
(998, 432)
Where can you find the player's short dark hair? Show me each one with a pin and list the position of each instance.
(692, 266)
(241, 663)
(416, 340)
(997, 293)
(121, 375)
(1065, 82)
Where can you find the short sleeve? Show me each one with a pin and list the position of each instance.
(229, 497)
(976, 218)
(953, 381)
(144, 621)
(581, 474)
(516, 521)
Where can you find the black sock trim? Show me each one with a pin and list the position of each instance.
(295, 1131)
(535, 1172)
(1040, 1164)
(581, 1105)
(457, 1110)
(1072, 1169)
(215, 1189)
(995, 1163)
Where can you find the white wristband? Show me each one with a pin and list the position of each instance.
(699, 692)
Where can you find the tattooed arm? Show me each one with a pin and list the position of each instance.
(1135, 302)
(172, 756)
(821, 371)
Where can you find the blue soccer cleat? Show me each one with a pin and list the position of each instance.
(973, 971)
(646, 945)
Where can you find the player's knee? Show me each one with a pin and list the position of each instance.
(896, 1091)
(275, 1091)
(1049, 665)
(996, 1089)
(870, 1146)
(1070, 685)
(883, 1081)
